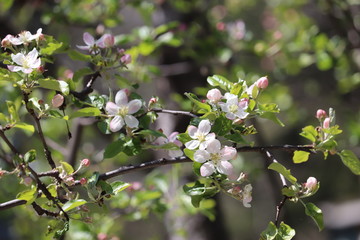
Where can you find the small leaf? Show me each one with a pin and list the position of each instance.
(73, 204)
(119, 186)
(269, 233)
(51, 48)
(300, 156)
(310, 133)
(222, 82)
(75, 55)
(25, 126)
(30, 156)
(28, 195)
(114, 149)
(105, 187)
(283, 171)
(351, 161)
(57, 85)
(285, 232)
(93, 180)
(189, 153)
(86, 112)
(315, 213)
(67, 167)
(203, 107)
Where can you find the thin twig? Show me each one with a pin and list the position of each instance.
(159, 110)
(88, 88)
(39, 130)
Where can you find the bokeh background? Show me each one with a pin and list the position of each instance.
(310, 51)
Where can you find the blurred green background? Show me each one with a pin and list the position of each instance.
(310, 51)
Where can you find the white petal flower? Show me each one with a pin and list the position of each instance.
(234, 108)
(201, 135)
(26, 37)
(215, 158)
(27, 62)
(121, 110)
(107, 40)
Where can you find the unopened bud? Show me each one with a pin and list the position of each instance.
(262, 82)
(152, 100)
(27, 181)
(83, 181)
(6, 42)
(85, 162)
(101, 236)
(214, 95)
(220, 26)
(68, 74)
(41, 69)
(320, 114)
(126, 59)
(57, 100)
(2, 172)
(70, 181)
(311, 183)
(326, 123)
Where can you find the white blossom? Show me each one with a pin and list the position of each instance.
(26, 62)
(201, 135)
(234, 108)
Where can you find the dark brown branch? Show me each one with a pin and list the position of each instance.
(11, 204)
(41, 211)
(88, 88)
(39, 130)
(288, 148)
(278, 210)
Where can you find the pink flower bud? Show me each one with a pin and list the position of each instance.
(126, 59)
(152, 100)
(326, 123)
(68, 74)
(220, 26)
(85, 162)
(262, 82)
(83, 181)
(6, 42)
(311, 183)
(27, 181)
(57, 100)
(102, 236)
(107, 40)
(320, 114)
(214, 95)
(2, 172)
(121, 51)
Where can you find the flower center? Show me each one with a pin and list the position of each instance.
(123, 111)
(233, 108)
(201, 137)
(215, 157)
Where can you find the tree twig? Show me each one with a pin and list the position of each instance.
(174, 112)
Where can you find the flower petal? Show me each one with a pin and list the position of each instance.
(32, 55)
(205, 126)
(116, 123)
(213, 146)
(88, 39)
(175, 153)
(192, 130)
(18, 58)
(134, 106)
(14, 68)
(224, 167)
(207, 169)
(193, 144)
(111, 108)
(131, 121)
(201, 156)
(228, 153)
(121, 98)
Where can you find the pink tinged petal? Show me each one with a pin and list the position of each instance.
(111, 108)
(88, 39)
(83, 47)
(116, 123)
(134, 106)
(27, 70)
(213, 146)
(14, 68)
(121, 98)
(210, 136)
(205, 126)
(35, 64)
(193, 144)
(131, 121)
(201, 156)
(241, 114)
(32, 55)
(230, 116)
(192, 130)
(18, 58)
(172, 136)
(225, 167)
(207, 169)
(228, 153)
(175, 153)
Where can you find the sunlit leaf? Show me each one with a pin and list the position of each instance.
(315, 213)
(73, 204)
(350, 160)
(28, 195)
(300, 156)
(283, 171)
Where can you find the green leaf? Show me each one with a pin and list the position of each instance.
(310, 133)
(283, 171)
(52, 190)
(75, 55)
(288, 191)
(350, 160)
(222, 82)
(184, 137)
(203, 107)
(198, 191)
(119, 186)
(73, 204)
(105, 187)
(57, 85)
(315, 213)
(30, 156)
(222, 126)
(67, 167)
(189, 153)
(14, 117)
(300, 156)
(285, 232)
(114, 148)
(81, 73)
(86, 112)
(51, 48)
(269, 233)
(93, 180)
(28, 195)
(25, 126)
